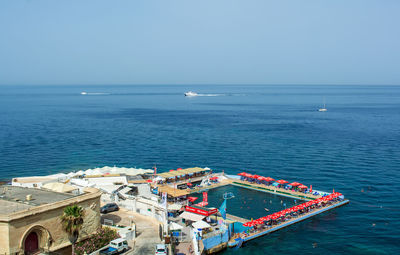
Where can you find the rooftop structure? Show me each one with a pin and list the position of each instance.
(30, 218)
(180, 172)
(13, 199)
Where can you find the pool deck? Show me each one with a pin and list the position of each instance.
(236, 218)
(234, 242)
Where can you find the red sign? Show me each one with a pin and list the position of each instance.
(205, 197)
(201, 211)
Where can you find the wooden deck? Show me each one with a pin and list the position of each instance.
(174, 192)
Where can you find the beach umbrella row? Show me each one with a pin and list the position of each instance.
(269, 179)
(296, 208)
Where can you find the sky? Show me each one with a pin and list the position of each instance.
(199, 42)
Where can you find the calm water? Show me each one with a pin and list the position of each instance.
(248, 203)
(269, 130)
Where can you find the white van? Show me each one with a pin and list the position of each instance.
(115, 247)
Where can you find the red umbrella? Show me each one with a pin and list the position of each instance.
(302, 186)
(266, 218)
(189, 184)
(242, 174)
(282, 181)
(214, 178)
(148, 180)
(259, 221)
(269, 179)
(309, 203)
(171, 170)
(248, 175)
(294, 184)
(249, 224)
(179, 169)
(255, 176)
(261, 178)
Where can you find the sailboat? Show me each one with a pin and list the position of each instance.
(324, 108)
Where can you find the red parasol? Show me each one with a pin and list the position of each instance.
(261, 178)
(302, 186)
(179, 169)
(214, 178)
(259, 221)
(242, 174)
(189, 184)
(269, 179)
(294, 184)
(171, 170)
(149, 181)
(282, 181)
(255, 176)
(249, 224)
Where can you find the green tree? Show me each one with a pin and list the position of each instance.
(72, 222)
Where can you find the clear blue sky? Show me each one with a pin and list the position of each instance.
(200, 42)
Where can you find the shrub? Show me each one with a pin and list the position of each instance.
(101, 238)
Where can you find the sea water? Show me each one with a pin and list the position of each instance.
(273, 131)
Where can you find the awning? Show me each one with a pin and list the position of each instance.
(174, 173)
(174, 207)
(191, 216)
(201, 224)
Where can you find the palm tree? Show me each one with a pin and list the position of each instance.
(72, 222)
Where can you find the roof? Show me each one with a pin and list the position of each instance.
(182, 172)
(14, 198)
(192, 216)
(118, 240)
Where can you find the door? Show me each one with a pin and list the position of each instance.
(31, 243)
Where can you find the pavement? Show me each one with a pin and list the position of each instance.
(147, 230)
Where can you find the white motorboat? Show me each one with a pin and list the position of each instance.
(324, 108)
(191, 94)
(83, 93)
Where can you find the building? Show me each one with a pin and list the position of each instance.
(30, 219)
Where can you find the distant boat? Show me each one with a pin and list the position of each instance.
(324, 108)
(83, 93)
(191, 94)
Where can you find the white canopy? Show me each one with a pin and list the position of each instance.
(174, 207)
(175, 226)
(59, 187)
(191, 216)
(201, 224)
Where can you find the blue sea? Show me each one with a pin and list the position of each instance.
(271, 130)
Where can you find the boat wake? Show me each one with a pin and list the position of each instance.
(94, 93)
(210, 95)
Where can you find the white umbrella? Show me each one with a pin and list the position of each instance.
(174, 226)
(201, 224)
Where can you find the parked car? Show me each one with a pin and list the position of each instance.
(115, 247)
(161, 249)
(111, 207)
